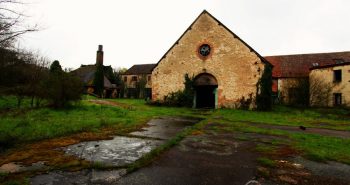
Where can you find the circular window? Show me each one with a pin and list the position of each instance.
(204, 50)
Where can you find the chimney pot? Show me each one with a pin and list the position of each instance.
(100, 47)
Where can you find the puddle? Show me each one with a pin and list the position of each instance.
(119, 151)
(122, 150)
(165, 128)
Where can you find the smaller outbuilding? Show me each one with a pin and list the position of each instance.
(86, 74)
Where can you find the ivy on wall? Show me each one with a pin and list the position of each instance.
(264, 90)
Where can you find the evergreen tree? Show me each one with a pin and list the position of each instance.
(264, 91)
(61, 87)
(55, 67)
(99, 80)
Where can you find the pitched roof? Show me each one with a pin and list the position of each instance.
(140, 69)
(332, 65)
(288, 66)
(86, 73)
(219, 23)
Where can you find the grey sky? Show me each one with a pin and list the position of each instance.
(139, 31)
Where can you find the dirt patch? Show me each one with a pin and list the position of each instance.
(48, 153)
(112, 103)
(289, 172)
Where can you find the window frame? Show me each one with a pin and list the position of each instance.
(336, 101)
(134, 78)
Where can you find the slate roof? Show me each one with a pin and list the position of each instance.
(86, 73)
(140, 69)
(291, 66)
(332, 65)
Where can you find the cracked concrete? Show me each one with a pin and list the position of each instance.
(117, 152)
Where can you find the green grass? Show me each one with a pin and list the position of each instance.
(44, 123)
(312, 146)
(18, 126)
(338, 119)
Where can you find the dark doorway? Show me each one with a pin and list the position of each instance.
(206, 91)
(205, 96)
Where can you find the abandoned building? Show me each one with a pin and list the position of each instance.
(329, 85)
(290, 71)
(226, 68)
(87, 74)
(136, 75)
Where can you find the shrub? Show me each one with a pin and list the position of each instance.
(61, 87)
(181, 98)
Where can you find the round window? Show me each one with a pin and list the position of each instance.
(204, 50)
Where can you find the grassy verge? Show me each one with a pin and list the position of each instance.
(336, 118)
(312, 146)
(45, 123)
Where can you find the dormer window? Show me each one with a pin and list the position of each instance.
(339, 61)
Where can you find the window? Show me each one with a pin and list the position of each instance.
(337, 99)
(339, 61)
(134, 78)
(125, 78)
(149, 78)
(337, 76)
(204, 50)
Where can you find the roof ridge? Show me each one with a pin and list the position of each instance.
(308, 54)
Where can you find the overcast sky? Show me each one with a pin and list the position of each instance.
(141, 31)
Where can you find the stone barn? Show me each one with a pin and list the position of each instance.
(226, 70)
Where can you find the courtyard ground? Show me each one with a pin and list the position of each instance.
(285, 146)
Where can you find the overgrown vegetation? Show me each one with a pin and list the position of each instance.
(320, 92)
(264, 91)
(61, 87)
(94, 121)
(17, 126)
(181, 98)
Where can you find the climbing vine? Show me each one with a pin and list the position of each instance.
(264, 90)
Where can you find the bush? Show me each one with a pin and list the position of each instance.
(61, 87)
(181, 98)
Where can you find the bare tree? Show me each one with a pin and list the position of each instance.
(12, 22)
(320, 92)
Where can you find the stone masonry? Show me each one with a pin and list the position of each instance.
(236, 66)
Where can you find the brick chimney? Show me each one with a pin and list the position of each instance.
(99, 56)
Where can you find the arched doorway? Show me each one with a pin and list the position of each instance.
(205, 86)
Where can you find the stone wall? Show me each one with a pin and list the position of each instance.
(132, 84)
(326, 76)
(236, 68)
(284, 87)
